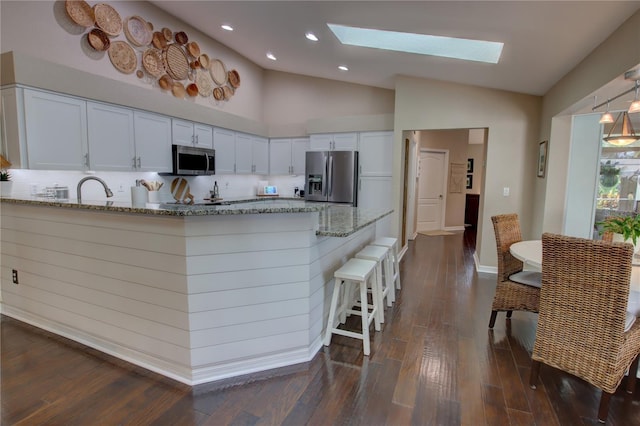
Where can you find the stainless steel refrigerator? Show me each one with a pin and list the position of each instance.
(332, 176)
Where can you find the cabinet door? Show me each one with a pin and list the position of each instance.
(224, 144)
(152, 141)
(375, 193)
(260, 155)
(244, 149)
(345, 141)
(321, 142)
(12, 136)
(299, 148)
(376, 153)
(280, 157)
(56, 131)
(203, 136)
(111, 145)
(182, 132)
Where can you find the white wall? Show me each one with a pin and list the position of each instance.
(619, 53)
(512, 120)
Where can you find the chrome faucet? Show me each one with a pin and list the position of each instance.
(104, 184)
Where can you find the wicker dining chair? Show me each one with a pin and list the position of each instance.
(516, 290)
(581, 324)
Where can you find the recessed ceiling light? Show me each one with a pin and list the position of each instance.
(271, 56)
(311, 36)
(227, 27)
(448, 47)
(343, 68)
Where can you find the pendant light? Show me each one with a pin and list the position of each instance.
(606, 117)
(626, 136)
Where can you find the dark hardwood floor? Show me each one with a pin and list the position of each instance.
(434, 363)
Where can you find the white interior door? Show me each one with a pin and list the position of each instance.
(431, 190)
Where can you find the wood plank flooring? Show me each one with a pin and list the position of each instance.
(434, 363)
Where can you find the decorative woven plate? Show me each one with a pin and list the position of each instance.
(204, 60)
(228, 92)
(107, 19)
(194, 49)
(80, 12)
(152, 62)
(178, 90)
(123, 57)
(205, 85)
(137, 31)
(176, 62)
(165, 82)
(218, 72)
(158, 40)
(234, 79)
(181, 37)
(218, 94)
(167, 33)
(98, 39)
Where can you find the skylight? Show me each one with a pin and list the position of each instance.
(448, 47)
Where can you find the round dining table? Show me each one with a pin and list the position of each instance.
(530, 253)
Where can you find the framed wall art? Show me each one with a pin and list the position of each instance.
(542, 158)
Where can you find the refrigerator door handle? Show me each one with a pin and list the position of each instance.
(330, 175)
(324, 176)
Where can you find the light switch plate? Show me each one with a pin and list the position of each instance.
(505, 191)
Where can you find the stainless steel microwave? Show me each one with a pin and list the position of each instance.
(191, 161)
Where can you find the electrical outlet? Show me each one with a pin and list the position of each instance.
(14, 273)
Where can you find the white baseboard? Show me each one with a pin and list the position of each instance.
(483, 268)
(454, 228)
(180, 373)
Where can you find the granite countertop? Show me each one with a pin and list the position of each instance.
(334, 220)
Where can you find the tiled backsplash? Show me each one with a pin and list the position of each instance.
(29, 182)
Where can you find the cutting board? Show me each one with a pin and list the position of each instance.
(181, 191)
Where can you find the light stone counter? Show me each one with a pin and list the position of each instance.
(335, 220)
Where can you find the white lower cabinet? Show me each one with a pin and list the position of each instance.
(55, 131)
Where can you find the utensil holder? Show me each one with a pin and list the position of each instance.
(138, 196)
(154, 196)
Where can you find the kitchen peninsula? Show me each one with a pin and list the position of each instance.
(197, 293)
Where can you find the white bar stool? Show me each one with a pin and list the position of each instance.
(380, 255)
(392, 244)
(360, 272)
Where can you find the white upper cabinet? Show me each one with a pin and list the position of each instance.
(55, 131)
(188, 133)
(225, 146)
(153, 142)
(244, 149)
(334, 142)
(203, 136)
(111, 138)
(260, 155)
(299, 148)
(287, 156)
(121, 139)
(376, 153)
(280, 157)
